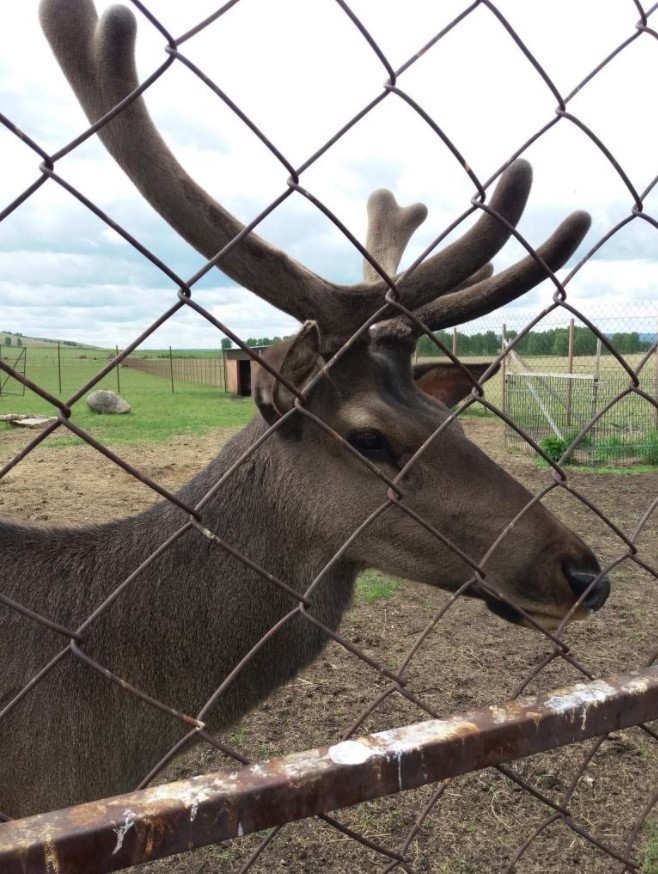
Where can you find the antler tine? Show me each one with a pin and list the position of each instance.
(484, 295)
(98, 59)
(390, 227)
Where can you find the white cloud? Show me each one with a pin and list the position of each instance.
(616, 295)
(301, 71)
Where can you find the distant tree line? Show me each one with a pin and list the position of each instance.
(536, 343)
(253, 341)
(487, 343)
(262, 341)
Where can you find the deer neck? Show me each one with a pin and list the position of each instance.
(203, 591)
(261, 509)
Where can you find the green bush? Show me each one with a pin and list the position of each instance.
(612, 448)
(648, 448)
(585, 441)
(554, 447)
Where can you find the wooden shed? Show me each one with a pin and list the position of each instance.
(238, 366)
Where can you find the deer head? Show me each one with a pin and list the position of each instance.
(383, 443)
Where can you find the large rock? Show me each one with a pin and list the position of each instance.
(104, 401)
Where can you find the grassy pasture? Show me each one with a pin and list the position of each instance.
(157, 414)
(177, 353)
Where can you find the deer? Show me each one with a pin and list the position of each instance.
(353, 460)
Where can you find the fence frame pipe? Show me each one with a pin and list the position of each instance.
(174, 817)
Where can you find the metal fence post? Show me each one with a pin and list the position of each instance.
(570, 370)
(171, 370)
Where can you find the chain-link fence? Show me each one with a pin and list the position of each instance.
(191, 636)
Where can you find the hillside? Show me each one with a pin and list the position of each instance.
(10, 340)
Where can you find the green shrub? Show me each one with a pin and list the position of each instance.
(612, 448)
(554, 447)
(648, 448)
(585, 441)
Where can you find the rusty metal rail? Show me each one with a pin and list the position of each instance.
(168, 819)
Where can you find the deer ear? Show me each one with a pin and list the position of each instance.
(297, 360)
(446, 382)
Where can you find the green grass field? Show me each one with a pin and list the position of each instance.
(157, 414)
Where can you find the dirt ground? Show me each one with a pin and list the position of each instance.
(471, 659)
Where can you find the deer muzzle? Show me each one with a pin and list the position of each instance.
(593, 588)
(587, 585)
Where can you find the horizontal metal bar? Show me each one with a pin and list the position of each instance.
(141, 826)
(529, 374)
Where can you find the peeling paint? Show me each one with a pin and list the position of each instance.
(123, 830)
(350, 752)
(499, 714)
(637, 686)
(188, 794)
(398, 756)
(423, 733)
(50, 856)
(298, 765)
(581, 696)
(536, 717)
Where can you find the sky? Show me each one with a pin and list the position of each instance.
(300, 69)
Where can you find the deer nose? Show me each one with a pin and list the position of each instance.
(580, 581)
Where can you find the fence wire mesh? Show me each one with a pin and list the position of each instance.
(116, 621)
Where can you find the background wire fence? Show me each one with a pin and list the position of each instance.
(591, 806)
(61, 372)
(560, 376)
(200, 371)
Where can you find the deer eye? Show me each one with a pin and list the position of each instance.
(370, 443)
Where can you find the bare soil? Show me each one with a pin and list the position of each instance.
(471, 659)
